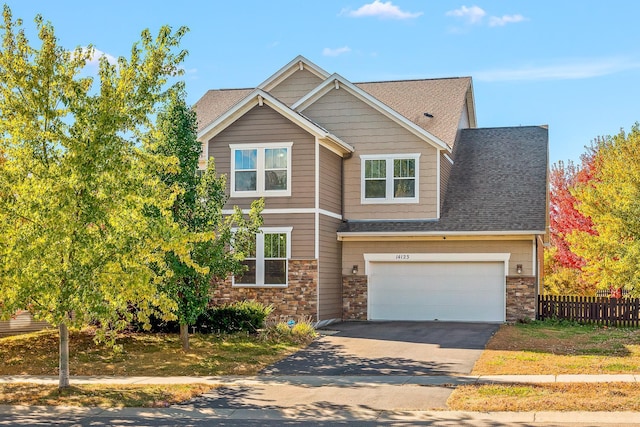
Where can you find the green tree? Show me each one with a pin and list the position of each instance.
(612, 201)
(198, 209)
(76, 241)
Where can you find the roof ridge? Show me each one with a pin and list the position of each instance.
(415, 80)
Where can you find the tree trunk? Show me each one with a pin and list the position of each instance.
(63, 365)
(184, 336)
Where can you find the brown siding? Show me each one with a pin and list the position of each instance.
(445, 172)
(330, 181)
(263, 124)
(295, 86)
(521, 251)
(302, 235)
(330, 279)
(370, 132)
(23, 322)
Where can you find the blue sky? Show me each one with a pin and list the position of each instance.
(573, 65)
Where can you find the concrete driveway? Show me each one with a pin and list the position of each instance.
(390, 348)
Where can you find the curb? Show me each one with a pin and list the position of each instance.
(591, 418)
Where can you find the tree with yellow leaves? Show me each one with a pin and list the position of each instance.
(77, 241)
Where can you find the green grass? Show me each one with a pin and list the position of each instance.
(560, 348)
(143, 354)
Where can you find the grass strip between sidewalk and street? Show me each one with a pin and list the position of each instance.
(607, 397)
(100, 395)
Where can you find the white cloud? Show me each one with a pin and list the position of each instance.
(571, 70)
(381, 10)
(500, 21)
(473, 14)
(97, 54)
(336, 52)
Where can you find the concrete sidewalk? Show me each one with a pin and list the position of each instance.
(344, 381)
(377, 399)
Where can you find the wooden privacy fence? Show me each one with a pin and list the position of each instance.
(606, 311)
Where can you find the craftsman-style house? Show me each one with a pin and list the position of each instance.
(383, 200)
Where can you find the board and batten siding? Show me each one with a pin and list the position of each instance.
(330, 279)
(330, 181)
(521, 251)
(370, 132)
(263, 125)
(295, 86)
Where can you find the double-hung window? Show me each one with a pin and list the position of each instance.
(267, 264)
(390, 178)
(261, 169)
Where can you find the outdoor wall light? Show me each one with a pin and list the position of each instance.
(519, 268)
(354, 270)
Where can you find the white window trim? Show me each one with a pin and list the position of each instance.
(260, 258)
(389, 179)
(260, 191)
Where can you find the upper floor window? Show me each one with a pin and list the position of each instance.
(390, 178)
(267, 264)
(261, 169)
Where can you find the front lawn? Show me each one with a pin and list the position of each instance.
(552, 348)
(142, 354)
(540, 348)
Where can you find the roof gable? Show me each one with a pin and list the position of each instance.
(335, 81)
(299, 63)
(260, 98)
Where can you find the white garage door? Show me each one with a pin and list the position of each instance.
(455, 291)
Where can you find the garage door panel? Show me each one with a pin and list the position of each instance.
(433, 290)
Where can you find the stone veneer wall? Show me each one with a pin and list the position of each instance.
(298, 301)
(354, 297)
(521, 298)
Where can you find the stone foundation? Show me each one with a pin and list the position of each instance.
(521, 298)
(298, 301)
(354, 297)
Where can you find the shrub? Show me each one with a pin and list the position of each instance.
(244, 316)
(301, 332)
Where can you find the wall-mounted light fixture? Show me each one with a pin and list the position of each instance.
(354, 270)
(519, 268)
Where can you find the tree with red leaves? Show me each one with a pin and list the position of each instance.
(563, 274)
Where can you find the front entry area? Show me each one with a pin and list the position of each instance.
(437, 290)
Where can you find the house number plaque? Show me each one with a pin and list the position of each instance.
(402, 257)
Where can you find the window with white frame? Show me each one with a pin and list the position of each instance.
(390, 178)
(267, 264)
(261, 169)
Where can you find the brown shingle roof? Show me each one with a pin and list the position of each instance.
(442, 98)
(215, 103)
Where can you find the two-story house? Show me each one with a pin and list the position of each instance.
(383, 200)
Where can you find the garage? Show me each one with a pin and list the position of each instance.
(472, 291)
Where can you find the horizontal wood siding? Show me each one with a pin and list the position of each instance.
(330, 181)
(295, 86)
(370, 132)
(263, 124)
(302, 236)
(520, 250)
(22, 322)
(445, 172)
(330, 279)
